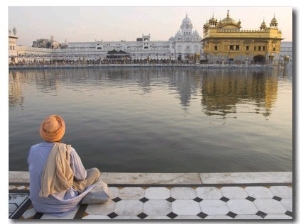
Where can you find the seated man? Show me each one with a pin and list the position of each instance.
(58, 179)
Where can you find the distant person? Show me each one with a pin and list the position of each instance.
(58, 179)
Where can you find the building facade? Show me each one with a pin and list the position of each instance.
(224, 40)
(183, 46)
(12, 45)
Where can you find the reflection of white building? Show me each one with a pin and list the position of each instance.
(185, 44)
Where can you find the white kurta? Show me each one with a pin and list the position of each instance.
(58, 203)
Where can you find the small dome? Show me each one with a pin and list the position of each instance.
(213, 21)
(263, 25)
(274, 22)
(220, 24)
(239, 23)
(195, 34)
(206, 25)
(178, 34)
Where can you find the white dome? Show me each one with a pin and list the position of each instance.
(186, 23)
(186, 32)
(195, 34)
(186, 20)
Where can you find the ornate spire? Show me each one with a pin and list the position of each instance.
(263, 25)
(274, 22)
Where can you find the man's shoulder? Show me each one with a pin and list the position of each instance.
(42, 144)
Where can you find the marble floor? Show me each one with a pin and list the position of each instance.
(160, 196)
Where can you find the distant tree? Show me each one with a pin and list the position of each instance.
(48, 45)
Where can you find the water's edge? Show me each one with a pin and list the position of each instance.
(180, 178)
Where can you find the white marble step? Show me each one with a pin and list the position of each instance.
(180, 178)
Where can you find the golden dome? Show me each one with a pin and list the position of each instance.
(274, 22)
(263, 25)
(220, 24)
(213, 21)
(206, 25)
(228, 20)
(228, 23)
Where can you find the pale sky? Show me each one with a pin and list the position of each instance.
(115, 23)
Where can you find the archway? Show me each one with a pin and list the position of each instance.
(259, 59)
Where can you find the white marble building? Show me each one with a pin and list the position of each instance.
(12, 45)
(182, 46)
(186, 42)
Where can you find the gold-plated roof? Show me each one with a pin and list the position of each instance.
(228, 20)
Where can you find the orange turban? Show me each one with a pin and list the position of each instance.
(53, 128)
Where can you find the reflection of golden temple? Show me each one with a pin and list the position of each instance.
(221, 93)
(225, 39)
(270, 92)
(286, 60)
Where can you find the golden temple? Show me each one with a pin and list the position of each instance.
(224, 40)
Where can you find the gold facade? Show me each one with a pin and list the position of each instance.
(226, 93)
(225, 41)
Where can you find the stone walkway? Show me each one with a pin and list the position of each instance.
(191, 196)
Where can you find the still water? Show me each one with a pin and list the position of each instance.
(158, 119)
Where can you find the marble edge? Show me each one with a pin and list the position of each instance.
(247, 178)
(151, 178)
(179, 178)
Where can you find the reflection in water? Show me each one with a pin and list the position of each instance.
(186, 83)
(221, 92)
(136, 117)
(47, 82)
(15, 89)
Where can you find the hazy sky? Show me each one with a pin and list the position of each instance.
(115, 23)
